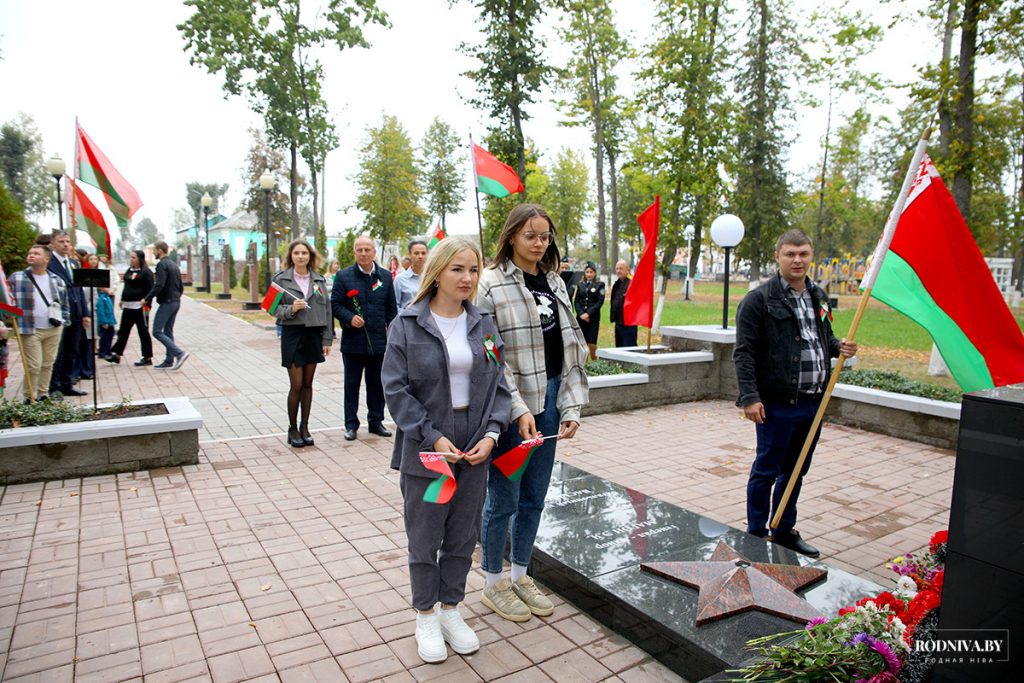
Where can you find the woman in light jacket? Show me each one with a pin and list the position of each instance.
(544, 357)
(304, 315)
(444, 384)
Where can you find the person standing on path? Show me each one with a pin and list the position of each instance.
(138, 281)
(363, 300)
(407, 284)
(34, 289)
(589, 300)
(544, 358)
(62, 264)
(445, 386)
(625, 335)
(167, 289)
(307, 331)
(784, 347)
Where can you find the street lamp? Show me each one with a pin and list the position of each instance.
(266, 184)
(726, 231)
(688, 286)
(56, 168)
(207, 201)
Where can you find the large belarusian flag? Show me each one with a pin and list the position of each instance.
(638, 307)
(94, 168)
(935, 274)
(85, 216)
(492, 176)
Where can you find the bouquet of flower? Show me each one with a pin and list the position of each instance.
(354, 295)
(920, 572)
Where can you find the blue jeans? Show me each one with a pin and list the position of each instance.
(520, 502)
(163, 328)
(779, 440)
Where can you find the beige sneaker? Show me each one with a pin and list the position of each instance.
(501, 598)
(531, 596)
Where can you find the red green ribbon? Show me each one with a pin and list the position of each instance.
(491, 350)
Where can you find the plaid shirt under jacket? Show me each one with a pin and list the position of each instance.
(25, 298)
(812, 351)
(503, 293)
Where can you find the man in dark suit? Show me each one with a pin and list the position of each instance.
(363, 300)
(61, 265)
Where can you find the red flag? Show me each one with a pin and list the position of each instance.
(443, 488)
(7, 297)
(638, 309)
(513, 463)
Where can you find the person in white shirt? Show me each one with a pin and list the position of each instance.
(408, 281)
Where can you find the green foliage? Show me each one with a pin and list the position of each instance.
(887, 380)
(344, 252)
(194, 192)
(146, 233)
(16, 235)
(388, 183)
(260, 158)
(568, 195)
(442, 157)
(14, 413)
(321, 241)
(232, 273)
(22, 167)
(596, 368)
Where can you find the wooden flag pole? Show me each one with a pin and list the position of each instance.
(869, 281)
(24, 362)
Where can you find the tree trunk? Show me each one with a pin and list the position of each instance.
(695, 245)
(613, 191)
(756, 227)
(293, 180)
(964, 142)
(945, 96)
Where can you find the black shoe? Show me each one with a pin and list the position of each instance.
(85, 377)
(350, 435)
(380, 431)
(791, 539)
(294, 440)
(143, 361)
(73, 392)
(113, 358)
(164, 366)
(307, 438)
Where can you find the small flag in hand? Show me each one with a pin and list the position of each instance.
(443, 488)
(513, 463)
(436, 236)
(275, 294)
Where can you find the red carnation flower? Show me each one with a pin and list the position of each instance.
(353, 293)
(937, 582)
(939, 538)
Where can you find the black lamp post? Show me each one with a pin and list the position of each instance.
(266, 184)
(206, 201)
(726, 231)
(56, 168)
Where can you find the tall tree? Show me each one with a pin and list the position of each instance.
(762, 196)
(962, 140)
(442, 159)
(265, 50)
(596, 47)
(16, 235)
(512, 69)
(146, 233)
(568, 195)
(263, 157)
(23, 168)
(388, 183)
(194, 192)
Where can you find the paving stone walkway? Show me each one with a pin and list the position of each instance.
(265, 563)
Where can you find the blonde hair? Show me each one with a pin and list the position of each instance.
(439, 259)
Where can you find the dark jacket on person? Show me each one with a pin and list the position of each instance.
(767, 353)
(137, 284)
(318, 314)
(167, 287)
(589, 298)
(376, 297)
(619, 288)
(417, 389)
(78, 304)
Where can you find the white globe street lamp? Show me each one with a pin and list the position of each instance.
(726, 232)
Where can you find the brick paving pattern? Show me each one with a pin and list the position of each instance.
(265, 563)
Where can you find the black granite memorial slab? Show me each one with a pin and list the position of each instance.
(594, 536)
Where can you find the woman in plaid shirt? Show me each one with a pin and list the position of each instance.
(544, 357)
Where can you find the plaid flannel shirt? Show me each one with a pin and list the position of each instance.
(25, 298)
(812, 352)
(503, 293)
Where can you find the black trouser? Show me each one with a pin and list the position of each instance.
(134, 317)
(64, 366)
(356, 364)
(625, 335)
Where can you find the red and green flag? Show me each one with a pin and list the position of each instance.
(272, 299)
(492, 176)
(95, 168)
(436, 236)
(514, 462)
(85, 216)
(934, 273)
(7, 297)
(443, 488)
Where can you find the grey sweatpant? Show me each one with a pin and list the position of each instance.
(442, 537)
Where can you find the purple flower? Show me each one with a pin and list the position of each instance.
(860, 638)
(816, 621)
(892, 662)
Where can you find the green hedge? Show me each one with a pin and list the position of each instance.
(887, 380)
(600, 366)
(45, 412)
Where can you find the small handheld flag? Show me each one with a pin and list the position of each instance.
(436, 236)
(275, 295)
(513, 463)
(443, 488)
(6, 297)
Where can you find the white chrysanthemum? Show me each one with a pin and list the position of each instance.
(907, 586)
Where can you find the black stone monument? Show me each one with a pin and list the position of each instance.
(983, 590)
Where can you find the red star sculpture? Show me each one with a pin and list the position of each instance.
(731, 584)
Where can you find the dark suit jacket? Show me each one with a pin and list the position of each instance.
(77, 303)
(376, 297)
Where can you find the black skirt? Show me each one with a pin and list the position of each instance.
(590, 329)
(301, 345)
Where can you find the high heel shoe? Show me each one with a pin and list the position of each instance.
(307, 438)
(294, 440)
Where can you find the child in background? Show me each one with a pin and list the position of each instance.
(105, 322)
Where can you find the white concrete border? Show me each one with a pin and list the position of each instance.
(889, 399)
(181, 416)
(621, 380)
(705, 333)
(635, 355)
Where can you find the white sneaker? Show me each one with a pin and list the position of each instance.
(429, 641)
(457, 633)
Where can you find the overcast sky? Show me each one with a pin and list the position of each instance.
(119, 66)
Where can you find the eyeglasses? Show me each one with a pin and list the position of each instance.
(543, 237)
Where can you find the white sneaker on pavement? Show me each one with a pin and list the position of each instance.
(429, 641)
(457, 633)
(180, 360)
